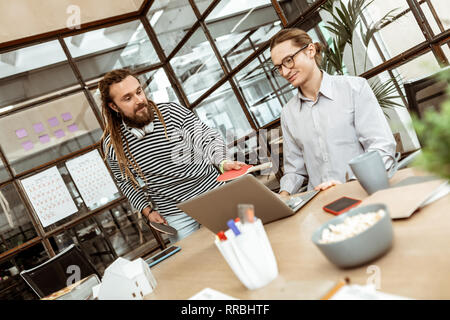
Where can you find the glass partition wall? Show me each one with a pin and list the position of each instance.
(212, 56)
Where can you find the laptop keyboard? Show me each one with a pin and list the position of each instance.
(296, 202)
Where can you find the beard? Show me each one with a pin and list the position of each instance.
(139, 120)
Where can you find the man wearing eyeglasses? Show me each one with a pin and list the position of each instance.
(331, 120)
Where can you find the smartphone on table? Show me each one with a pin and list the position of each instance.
(341, 205)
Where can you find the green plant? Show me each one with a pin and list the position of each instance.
(346, 19)
(385, 93)
(434, 133)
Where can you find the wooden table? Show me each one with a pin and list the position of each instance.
(417, 266)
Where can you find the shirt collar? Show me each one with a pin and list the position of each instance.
(326, 87)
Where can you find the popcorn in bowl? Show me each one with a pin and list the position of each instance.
(351, 226)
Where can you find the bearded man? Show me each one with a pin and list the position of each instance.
(160, 155)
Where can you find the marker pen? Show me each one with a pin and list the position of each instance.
(233, 227)
(221, 235)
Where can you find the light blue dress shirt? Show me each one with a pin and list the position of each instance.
(320, 137)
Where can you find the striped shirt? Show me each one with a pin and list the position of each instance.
(175, 170)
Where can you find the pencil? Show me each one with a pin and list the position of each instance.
(335, 289)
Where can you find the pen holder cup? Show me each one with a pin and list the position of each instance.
(250, 255)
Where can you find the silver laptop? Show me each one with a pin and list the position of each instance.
(214, 208)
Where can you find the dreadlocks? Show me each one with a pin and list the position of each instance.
(113, 121)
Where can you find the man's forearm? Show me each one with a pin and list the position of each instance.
(153, 215)
(146, 211)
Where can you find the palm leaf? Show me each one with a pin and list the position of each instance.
(386, 93)
(374, 27)
(328, 6)
(346, 22)
(346, 19)
(333, 61)
(337, 30)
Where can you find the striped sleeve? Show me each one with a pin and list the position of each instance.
(135, 196)
(206, 140)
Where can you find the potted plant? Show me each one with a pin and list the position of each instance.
(346, 21)
(434, 132)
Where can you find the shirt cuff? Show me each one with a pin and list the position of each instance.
(142, 205)
(291, 183)
(221, 165)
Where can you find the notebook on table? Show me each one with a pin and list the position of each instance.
(406, 197)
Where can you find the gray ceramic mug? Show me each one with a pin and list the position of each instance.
(371, 172)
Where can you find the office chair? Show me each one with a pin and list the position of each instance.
(52, 275)
(427, 92)
(422, 94)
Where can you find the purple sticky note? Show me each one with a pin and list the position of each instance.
(59, 133)
(53, 122)
(72, 127)
(38, 127)
(27, 145)
(20, 133)
(66, 116)
(44, 138)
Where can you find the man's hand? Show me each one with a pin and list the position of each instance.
(284, 195)
(326, 185)
(232, 165)
(153, 216)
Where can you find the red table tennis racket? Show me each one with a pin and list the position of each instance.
(247, 168)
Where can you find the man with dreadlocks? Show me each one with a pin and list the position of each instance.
(160, 155)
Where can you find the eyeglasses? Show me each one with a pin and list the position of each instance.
(288, 62)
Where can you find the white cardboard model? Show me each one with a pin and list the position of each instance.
(126, 280)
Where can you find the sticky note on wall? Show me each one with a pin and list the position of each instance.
(20, 133)
(72, 127)
(38, 127)
(53, 122)
(27, 145)
(66, 116)
(44, 138)
(59, 133)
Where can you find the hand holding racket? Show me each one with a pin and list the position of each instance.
(157, 222)
(246, 168)
(232, 165)
(153, 216)
(164, 228)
